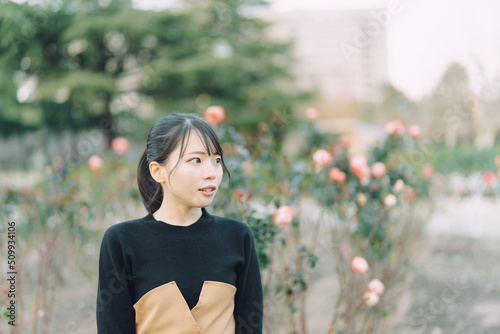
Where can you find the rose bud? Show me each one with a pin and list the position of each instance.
(378, 170)
(283, 216)
(94, 162)
(120, 145)
(336, 175)
(371, 298)
(322, 158)
(414, 131)
(214, 114)
(376, 286)
(359, 265)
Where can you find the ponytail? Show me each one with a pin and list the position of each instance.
(150, 190)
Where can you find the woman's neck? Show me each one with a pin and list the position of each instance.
(177, 215)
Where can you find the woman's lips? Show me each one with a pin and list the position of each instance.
(208, 191)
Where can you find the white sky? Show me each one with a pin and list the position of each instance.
(427, 35)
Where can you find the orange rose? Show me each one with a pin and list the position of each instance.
(336, 175)
(359, 166)
(489, 178)
(346, 142)
(283, 216)
(214, 114)
(241, 194)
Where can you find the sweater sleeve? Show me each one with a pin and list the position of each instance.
(248, 310)
(115, 313)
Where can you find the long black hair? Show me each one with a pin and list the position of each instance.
(164, 137)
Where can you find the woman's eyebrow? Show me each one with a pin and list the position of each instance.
(197, 152)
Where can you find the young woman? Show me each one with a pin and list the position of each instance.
(179, 269)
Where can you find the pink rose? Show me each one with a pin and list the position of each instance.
(395, 127)
(378, 170)
(359, 265)
(311, 114)
(94, 162)
(376, 286)
(336, 175)
(120, 145)
(283, 216)
(489, 178)
(371, 298)
(359, 166)
(414, 131)
(214, 114)
(322, 158)
(427, 171)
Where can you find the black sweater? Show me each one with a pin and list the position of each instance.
(152, 278)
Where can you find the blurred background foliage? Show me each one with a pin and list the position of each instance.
(68, 65)
(77, 65)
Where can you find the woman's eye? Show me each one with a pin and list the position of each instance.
(218, 160)
(197, 160)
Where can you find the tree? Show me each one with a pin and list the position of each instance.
(221, 55)
(92, 65)
(449, 102)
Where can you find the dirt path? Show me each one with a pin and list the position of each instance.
(455, 287)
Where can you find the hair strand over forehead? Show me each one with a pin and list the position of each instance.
(168, 133)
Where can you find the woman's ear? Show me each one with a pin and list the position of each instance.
(157, 172)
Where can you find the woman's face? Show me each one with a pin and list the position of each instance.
(195, 180)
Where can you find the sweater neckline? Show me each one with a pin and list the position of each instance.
(194, 230)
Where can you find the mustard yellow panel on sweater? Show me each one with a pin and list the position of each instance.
(164, 310)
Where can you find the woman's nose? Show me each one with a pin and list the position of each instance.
(209, 171)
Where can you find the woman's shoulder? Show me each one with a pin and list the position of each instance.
(123, 228)
(231, 224)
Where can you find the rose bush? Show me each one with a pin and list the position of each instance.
(322, 205)
(370, 205)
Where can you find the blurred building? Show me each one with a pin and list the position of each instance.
(341, 54)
